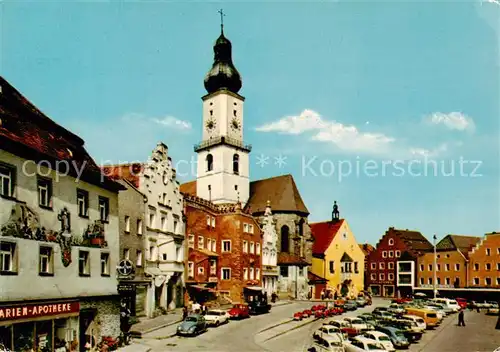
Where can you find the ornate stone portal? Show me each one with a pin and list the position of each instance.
(25, 223)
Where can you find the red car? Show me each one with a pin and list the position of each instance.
(462, 302)
(307, 313)
(317, 307)
(239, 311)
(320, 314)
(298, 316)
(401, 300)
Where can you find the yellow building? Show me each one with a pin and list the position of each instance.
(337, 257)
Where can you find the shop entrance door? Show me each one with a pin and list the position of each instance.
(86, 318)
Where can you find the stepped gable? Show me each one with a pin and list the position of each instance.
(27, 132)
(281, 191)
(323, 234)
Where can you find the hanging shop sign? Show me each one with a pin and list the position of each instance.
(38, 310)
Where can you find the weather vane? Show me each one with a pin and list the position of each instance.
(221, 20)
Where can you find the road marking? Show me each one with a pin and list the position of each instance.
(292, 329)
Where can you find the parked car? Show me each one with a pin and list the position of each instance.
(409, 328)
(382, 315)
(448, 303)
(259, 307)
(368, 319)
(396, 309)
(418, 320)
(307, 313)
(361, 301)
(493, 311)
(356, 323)
(397, 337)
(381, 338)
(216, 317)
(350, 305)
(319, 314)
(327, 343)
(344, 326)
(193, 325)
(359, 344)
(239, 311)
(328, 330)
(298, 316)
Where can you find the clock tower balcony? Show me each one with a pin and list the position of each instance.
(222, 140)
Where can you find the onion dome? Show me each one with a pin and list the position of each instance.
(223, 74)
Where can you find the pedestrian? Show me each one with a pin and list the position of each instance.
(184, 313)
(461, 321)
(322, 295)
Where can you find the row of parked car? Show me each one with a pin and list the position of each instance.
(195, 324)
(386, 328)
(335, 308)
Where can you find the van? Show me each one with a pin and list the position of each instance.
(430, 317)
(448, 303)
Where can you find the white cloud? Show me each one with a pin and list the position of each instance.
(441, 149)
(452, 121)
(173, 122)
(344, 137)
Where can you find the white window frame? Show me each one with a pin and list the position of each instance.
(398, 253)
(429, 280)
(384, 254)
(373, 277)
(245, 228)
(381, 266)
(381, 277)
(8, 250)
(391, 254)
(457, 266)
(7, 178)
(163, 223)
(213, 267)
(44, 187)
(429, 267)
(475, 281)
(257, 274)
(422, 267)
(201, 270)
(250, 228)
(245, 246)
(224, 242)
(214, 246)
(225, 270)
(103, 209)
(138, 260)
(373, 266)
(105, 264)
(390, 276)
(390, 265)
(252, 247)
(391, 242)
(257, 248)
(191, 269)
(127, 224)
(152, 220)
(213, 222)
(139, 226)
(126, 253)
(251, 275)
(201, 242)
(82, 201)
(245, 273)
(447, 281)
(446, 267)
(422, 281)
(208, 220)
(46, 263)
(488, 252)
(86, 259)
(190, 241)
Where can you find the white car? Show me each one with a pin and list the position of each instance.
(356, 323)
(360, 344)
(328, 330)
(381, 338)
(396, 309)
(216, 317)
(420, 322)
(327, 343)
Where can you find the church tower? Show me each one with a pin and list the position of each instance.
(223, 158)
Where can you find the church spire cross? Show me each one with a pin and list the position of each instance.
(222, 14)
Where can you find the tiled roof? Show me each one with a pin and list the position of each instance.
(312, 277)
(188, 188)
(281, 191)
(464, 243)
(324, 233)
(413, 239)
(207, 252)
(27, 132)
(366, 248)
(291, 259)
(129, 172)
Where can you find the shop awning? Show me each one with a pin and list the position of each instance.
(254, 288)
(153, 271)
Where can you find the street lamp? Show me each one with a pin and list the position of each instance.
(435, 265)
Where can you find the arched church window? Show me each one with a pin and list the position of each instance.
(236, 164)
(210, 162)
(301, 227)
(285, 239)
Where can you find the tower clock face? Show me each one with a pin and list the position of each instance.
(211, 125)
(235, 124)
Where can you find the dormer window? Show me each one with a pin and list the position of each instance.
(210, 162)
(236, 164)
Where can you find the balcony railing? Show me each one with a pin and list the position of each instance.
(222, 140)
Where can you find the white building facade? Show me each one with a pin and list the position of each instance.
(58, 236)
(270, 270)
(165, 232)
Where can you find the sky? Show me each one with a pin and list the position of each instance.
(390, 108)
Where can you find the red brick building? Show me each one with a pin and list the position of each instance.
(392, 268)
(224, 251)
(367, 249)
